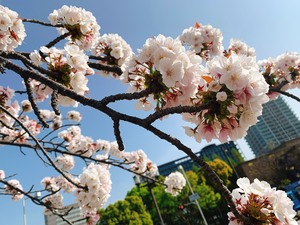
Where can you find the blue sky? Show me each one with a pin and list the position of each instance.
(271, 27)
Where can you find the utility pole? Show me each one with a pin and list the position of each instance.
(137, 181)
(191, 189)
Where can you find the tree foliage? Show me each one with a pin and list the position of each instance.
(169, 205)
(129, 211)
(223, 170)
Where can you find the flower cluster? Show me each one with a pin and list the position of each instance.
(6, 95)
(96, 179)
(241, 48)
(204, 40)
(54, 184)
(81, 24)
(8, 132)
(26, 106)
(55, 201)
(65, 162)
(262, 204)
(140, 163)
(113, 48)
(164, 66)
(92, 218)
(11, 189)
(68, 66)
(281, 72)
(78, 143)
(234, 96)
(174, 182)
(74, 116)
(12, 29)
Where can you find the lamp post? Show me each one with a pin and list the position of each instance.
(37, 194)
(137, 181)
(191, 189)
(230, 163)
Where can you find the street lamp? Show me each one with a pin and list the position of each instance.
(193, 194)
(37, 194)
(230, 163)
(138, 180)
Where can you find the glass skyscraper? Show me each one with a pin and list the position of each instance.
(223, 151)
(276, 125)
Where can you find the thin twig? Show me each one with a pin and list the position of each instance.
(41, 23)
(41, 148)
(58, 39)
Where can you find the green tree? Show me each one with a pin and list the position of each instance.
(130, 211)
(223, 170)
(237, 157)
(169, 205)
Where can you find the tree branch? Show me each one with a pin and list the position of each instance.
(41, 148)
(285, 93)
(33, 104)
(113, 69)
(41, 23)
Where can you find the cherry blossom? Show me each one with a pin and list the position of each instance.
(81, 24)
(72, 62)
(96, 178)
(65, 162)
(74, 115)
(26, 105)
(262, 204)
(164, 65)
(236, 91)
(12, 29)
(10, 189)
(54, 201)
(204, 40)
(193, 69)
(174, 182)
(282, 71)
(113, 48)
(138, 160)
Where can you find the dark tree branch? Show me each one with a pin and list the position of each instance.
(126, 96)
(58, 39)
(174, 110)
(285, 93)
(134, 120)
(32, 102)
(118, 134)
(54, 102)
(100, 58)
(113, 69)
(41, 23)
(21, 56)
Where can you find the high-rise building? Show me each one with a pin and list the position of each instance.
(226, 152)
(276, 125)
(74, 214)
